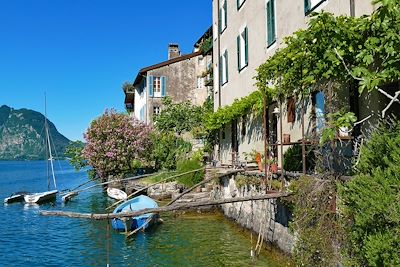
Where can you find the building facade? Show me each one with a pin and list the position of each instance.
(179, 77)
(245, 34)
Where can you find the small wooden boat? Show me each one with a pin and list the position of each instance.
(15, 197)
(138, 222)
(67, 197)
(116, 193)
(40, 197)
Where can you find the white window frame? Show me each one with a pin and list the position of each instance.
(224, 67)
(223, 14)
(242, 48)
(200, 82)
(313, 4)
(157, 86)
(156, 110)
(240, 3)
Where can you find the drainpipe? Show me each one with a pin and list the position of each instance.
(218, 79)
(352, 8)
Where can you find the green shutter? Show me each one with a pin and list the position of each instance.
(220, 70)
(151, 78)
(226, 65)
(226, 15)
(306, 6)
(238, 52)
(273, 20)
(163, 85)
(246, 45)
(219, 20)
(270, 22)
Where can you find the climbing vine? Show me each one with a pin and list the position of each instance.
(216, 120)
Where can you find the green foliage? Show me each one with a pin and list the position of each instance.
(206, 45)
(128, 87)
(337, 120)
(74, 154)
(293, 160)
(167, 150)
(190, 179)
(178, 117)
(315, 221)
(243, 180)
(217, 120)
(371, 207)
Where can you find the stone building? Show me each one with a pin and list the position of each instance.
(180, 77)
(245, 34)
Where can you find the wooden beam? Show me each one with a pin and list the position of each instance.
(107, 216)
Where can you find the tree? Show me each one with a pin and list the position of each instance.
(116, 144)
(74, 153)
(178, 117)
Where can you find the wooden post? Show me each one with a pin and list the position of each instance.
(303, 144)
(281, 137)
(266, 138)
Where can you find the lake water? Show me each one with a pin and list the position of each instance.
(29, 239)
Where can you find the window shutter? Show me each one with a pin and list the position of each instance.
(269, 39)
(151, 78)
(163, 85)
(246, 45)
(238, 52)
(291, 110)
(237, 4)
(272, 20)
(226, 65)
(226, 12)
(220, 70)
(306, 6)
(219, 20)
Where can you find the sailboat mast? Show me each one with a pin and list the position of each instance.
(46, 126)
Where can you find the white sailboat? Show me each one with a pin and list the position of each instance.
(40, 197)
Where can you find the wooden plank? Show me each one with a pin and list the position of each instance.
(107, 216)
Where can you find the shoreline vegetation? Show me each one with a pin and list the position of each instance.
(334, 222)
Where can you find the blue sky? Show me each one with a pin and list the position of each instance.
(81, 51)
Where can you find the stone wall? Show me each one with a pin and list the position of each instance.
(270, 217)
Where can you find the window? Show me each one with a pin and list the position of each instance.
(271, 36)
(222, 18)
(242, 49)
(239, 3)
(310, 5)
(157, 86)
(319, 103)
(223, 68)
(200, 82)
(156, 110)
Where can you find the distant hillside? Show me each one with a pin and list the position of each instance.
(22, 135)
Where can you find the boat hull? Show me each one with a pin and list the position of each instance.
(14, 198)
(142, 221)
(116, 193)
(42, 197)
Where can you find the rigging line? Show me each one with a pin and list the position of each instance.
(48, 141)
(55, 151)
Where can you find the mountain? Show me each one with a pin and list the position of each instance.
(22, 135)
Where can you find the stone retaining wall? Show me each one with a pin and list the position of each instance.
(269, 216)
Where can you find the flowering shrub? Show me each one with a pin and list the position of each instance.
(116, 143)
